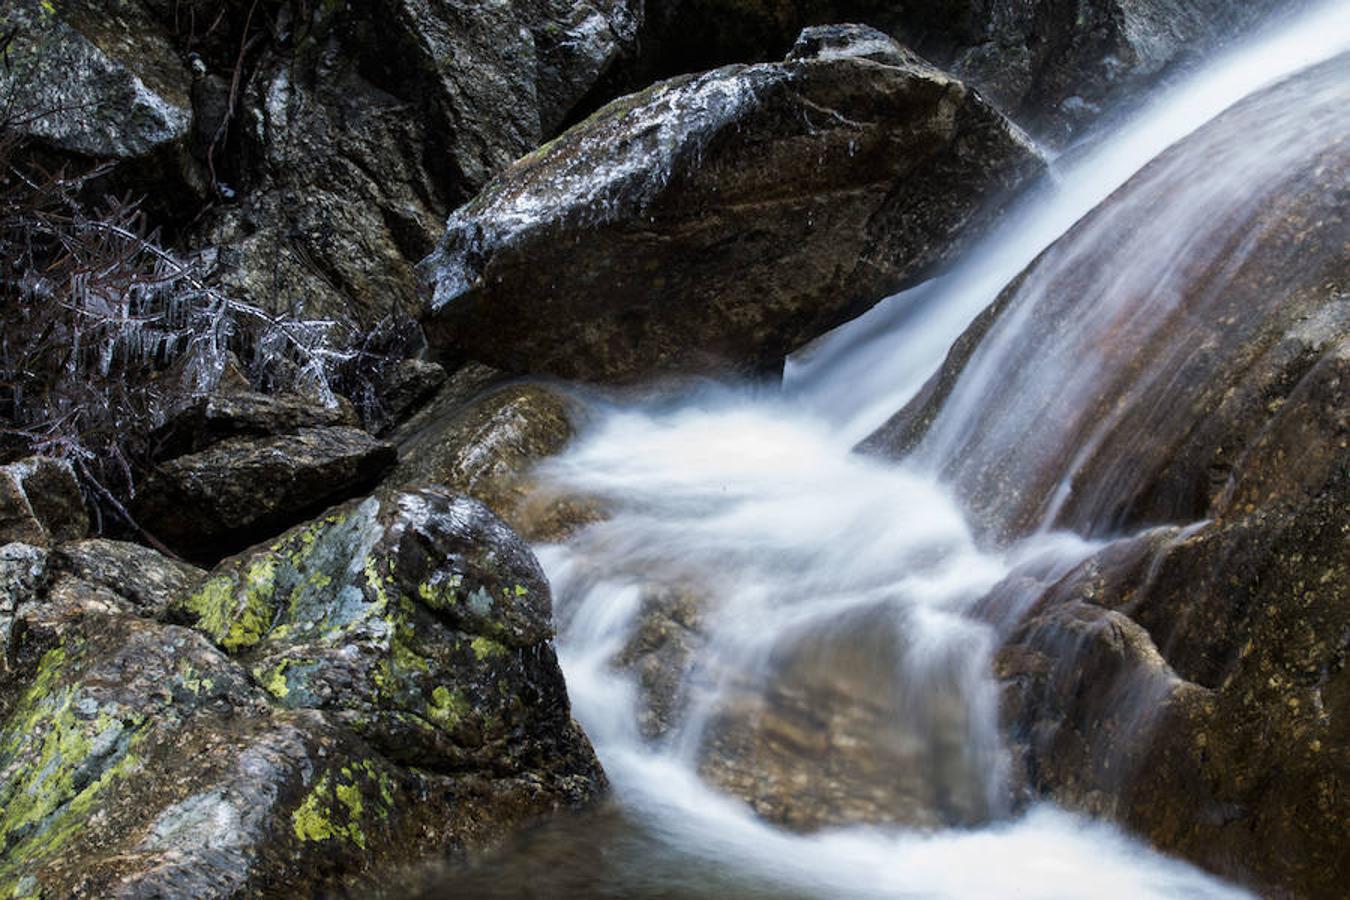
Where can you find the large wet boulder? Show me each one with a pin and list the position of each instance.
(723, 219)
(369, 689)
(1190, 680)
(1168, 357)
(98, 79)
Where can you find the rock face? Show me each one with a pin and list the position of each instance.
(340, 190)
(97, 79)
(40, 502)
(1188, 681)
(721, 220)
(220, 498)
(374, 685)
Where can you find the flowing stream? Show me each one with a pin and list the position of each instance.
(753, 555)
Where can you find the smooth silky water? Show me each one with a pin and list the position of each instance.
(801, 555)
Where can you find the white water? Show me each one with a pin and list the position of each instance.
(865, 370)
(753, 502)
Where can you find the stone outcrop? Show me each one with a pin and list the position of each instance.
(719, 221)
(339, 188)
(101, 80)
(369, 688)
(1189, 681)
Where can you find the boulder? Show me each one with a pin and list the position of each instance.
(1187, 680)
(721, 220)
(1173, 370)
(98, 79)
(398, 696)
(487, 447)
(207, 503)
(41, 502)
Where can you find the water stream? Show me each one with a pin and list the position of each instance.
(753, 554)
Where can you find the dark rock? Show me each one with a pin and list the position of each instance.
(721, 220)
(147, 579)
(141, 759)
(486, 447)
(1053, 66)
(238, 490)
(41, 502)
(405, 389)
(97, 79)
(205, 421)
(341, 192)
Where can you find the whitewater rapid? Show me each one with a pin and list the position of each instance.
(751, 499)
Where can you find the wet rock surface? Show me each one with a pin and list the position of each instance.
(368, 122)
(98, 79)
(369, 688)
(718, 221)
(209, 502)
(487, 446)
(1190, 681)
(1053, 66)
(41, 502)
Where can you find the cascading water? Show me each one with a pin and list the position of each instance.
(763, 568)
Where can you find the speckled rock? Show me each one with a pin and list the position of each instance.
(419, 620)
(721, 220)
(99, 79)
(488, 446)
(373, 688)
(41, 502)
(146, 579)
(23, 575)
(222, 498)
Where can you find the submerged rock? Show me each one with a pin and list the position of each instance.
(368, 689)
(723, 219)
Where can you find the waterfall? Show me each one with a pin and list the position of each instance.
(749, 551)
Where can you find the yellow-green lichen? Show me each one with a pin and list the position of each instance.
(447, 707)
(336, 806)
(236, 616)
(486, 648)
(69, 751)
